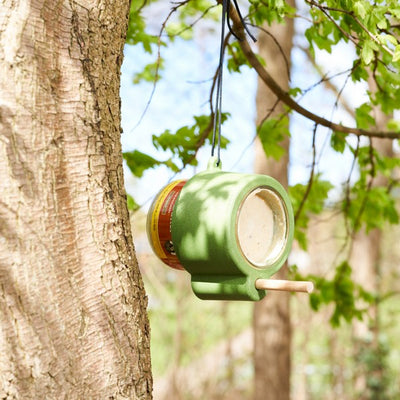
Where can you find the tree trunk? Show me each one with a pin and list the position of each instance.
(72, 303)
(271, 322)
(365, 261)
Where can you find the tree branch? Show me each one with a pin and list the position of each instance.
(285, 97)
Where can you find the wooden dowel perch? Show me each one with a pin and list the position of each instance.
(288, 286)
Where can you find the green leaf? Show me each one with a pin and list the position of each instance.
(340, 291)
(384, 39)
(338, 141)
(138, 162)
(395, 12)
(295, 91)
(360, 9)
(367, 51)
(396, 56)
(195, 8)
(180, 29)
(236, 58)
(315, 301)
(359, 72)
(382, 24)
(150, 73)
(363, 116)
(271, 133)
(262, 11)
(132, 205)
(394, 125)
(136, 33)
(344, 297)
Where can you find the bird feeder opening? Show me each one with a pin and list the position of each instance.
(262, 227)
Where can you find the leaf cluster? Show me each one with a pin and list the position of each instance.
(182, 146)
(269, 11)
(136, 33)
(368, 205)
(372, 30)
(341, 292)
(314, 203)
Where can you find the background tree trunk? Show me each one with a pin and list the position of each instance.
(365, 260)
(272, 331)
(72, 304)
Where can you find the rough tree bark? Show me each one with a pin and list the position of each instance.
(271, 322)
(72, 304)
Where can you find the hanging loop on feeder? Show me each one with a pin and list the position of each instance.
(213, 163)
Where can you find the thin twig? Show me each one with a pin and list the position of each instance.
(311, 178)
(270, 111)
(347, 190)
(357, 223)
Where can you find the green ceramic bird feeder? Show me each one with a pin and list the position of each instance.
(230, 231)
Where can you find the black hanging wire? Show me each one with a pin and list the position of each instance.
(241, 21)
(218, 98)
(226, 4)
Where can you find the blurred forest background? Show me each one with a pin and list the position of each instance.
(203, 350)
(344, 338)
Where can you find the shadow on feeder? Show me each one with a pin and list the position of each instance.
(230, 231)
